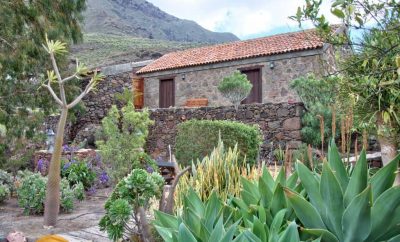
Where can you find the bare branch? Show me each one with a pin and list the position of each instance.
(75, 75)
(7, 43)
(82, 95)
(60, 82)
(58, 100)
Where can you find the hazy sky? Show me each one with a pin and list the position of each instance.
(244, 18)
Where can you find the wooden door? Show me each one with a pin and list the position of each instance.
(138, 92)
(167, 93)
(254, 77)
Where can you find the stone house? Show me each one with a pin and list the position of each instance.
(270, 63)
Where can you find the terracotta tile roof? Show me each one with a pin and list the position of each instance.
(270, 45)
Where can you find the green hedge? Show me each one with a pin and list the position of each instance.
(197, 138)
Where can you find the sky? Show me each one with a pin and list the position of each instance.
(244, 18)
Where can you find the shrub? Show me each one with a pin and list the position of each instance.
(78, 172)
(131, 193)
(235, 87)
(4, 192)
(318, 96)
(197, 138)
(219, 172)
(123, 137)
(31, 194)
(7, 180)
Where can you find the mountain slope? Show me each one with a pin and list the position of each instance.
(140, 18)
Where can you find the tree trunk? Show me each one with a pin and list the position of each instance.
(52, 204)
(388, 143)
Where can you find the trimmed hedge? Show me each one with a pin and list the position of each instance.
(197, 138)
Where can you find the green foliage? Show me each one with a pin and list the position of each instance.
(370, 75)
(213, 220)
(31, 194)
(235, 87)
(318, 96)
(132, 192)
(197, 138)
(124, 134)
(79, 191)
(348, 207)
(78, 172)
(218, 172)
(4, 192)
(23, 26)
(32, 184)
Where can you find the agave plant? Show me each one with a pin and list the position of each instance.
(212, 220)
(266, 193)
(348, 206)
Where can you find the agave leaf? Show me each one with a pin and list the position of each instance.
(278, 200)
(395, 239)
(337, 166)
(332, 196)
(276, 225)
(267, 178)
(213, 209)
(165, 233)
(290, 234)
(281, 178)
(250, 187)
(382, 212)
(292, 181)
(193, 201)
(266, 192)
(185, 234)
(193, 220)
(304, 210)
(259, 230)
(228, 236)
(262, 214)
(323, 234)
(311, 186)
(358, 180)
(165, 220)
(384, 178)
(356, 221)
(218, 231)
(246, 236)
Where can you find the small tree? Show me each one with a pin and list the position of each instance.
(235, 87)
(54, 48)
(124, 135)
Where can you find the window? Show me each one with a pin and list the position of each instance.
(167, 93)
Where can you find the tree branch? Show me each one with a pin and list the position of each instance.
(82, 95)
(75, 75)
(60, 82)
(58, 100)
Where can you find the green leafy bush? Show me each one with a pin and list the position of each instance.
(132, 192)
(4, 192)
(345, 207)
(235, 87)
(318, 95)
(31, 194)
(78, 172)
(197, 138)
(6, 185)
(122, 139)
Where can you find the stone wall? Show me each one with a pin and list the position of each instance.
(202, 81)
(279, 122)
(98, 103)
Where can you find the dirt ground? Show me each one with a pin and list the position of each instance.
(86, 214)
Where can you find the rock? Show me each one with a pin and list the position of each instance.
(292, 124)
(16, 237)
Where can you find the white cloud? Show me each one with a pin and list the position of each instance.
(244, 18)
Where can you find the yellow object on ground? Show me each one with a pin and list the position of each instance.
(51, 238)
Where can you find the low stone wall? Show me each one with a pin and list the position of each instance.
(279, 123)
